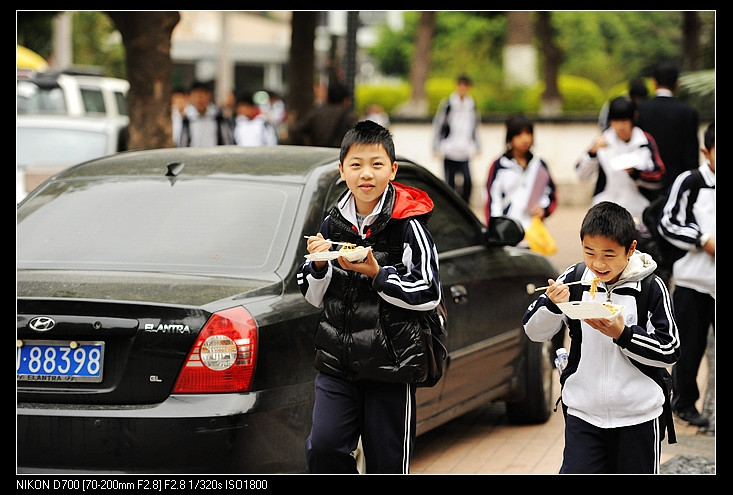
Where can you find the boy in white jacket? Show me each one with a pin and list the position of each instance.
(612, 407)
(625, 161)
(692, 228)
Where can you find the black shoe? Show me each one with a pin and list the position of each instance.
(693, 417)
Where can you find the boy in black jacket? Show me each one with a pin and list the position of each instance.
(369, 350)
(613, 407)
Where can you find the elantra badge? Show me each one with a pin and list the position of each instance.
(42, 324)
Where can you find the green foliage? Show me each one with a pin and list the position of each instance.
(388, 95)
(580, 95)
(393, 51)
(497, 100)
(96, 43)
(461, 39)
(466, 43)
(607, 47)
(615, 46)
(438, 88)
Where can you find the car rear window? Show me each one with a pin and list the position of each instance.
(205, 226)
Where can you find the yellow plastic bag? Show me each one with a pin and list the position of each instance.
(539, 238)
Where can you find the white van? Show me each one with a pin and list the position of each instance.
(72, 93)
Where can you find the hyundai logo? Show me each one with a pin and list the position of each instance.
(42, 324)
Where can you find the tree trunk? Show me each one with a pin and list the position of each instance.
(146, 37)
(417, 106)
(551, 105)
(690, 41)
(301, 68)
(520, 56)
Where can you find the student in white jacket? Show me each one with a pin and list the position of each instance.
(456, 128)
(624, 159)
(612, 406)
(251, 128)
(692, 228)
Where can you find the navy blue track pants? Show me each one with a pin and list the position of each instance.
(634, 449)
(383, 414)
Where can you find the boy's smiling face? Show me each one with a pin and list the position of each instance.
(606, 257)
(366, 169)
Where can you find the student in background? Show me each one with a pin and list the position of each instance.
(519, 183)
(326, 125)
(203, 123)
(673, 123)
(179, 100)
(251, 128)
(623, 159)
(692, 228)
(638, 92)
(456, 136)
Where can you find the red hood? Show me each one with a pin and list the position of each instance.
(410, 201)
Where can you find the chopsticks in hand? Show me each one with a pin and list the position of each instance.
(333, 242)
(531, 289)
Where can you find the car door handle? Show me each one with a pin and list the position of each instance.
(458, 293)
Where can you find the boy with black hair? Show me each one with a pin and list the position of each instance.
(612, 407)
(692, 227)
(203, 123)
(251, 128)
(369, 351)
(456, 127)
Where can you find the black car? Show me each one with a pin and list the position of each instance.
(160, 328)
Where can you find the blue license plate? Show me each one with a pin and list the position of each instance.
(54, 361)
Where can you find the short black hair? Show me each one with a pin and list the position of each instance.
(638, 88)
(516, 124)
(201, 85)
(246, 97)
(709, 136)
(622, 108)
(610, 220)
(666, 74)
(337, 93)
(368, 132)
(464, 79)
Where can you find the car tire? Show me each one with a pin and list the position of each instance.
(536, 406)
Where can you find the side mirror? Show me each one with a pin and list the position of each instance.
(504, 231)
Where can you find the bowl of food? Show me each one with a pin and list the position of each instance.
(582, 310)
(351, 252)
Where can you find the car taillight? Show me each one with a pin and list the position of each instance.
(223, 357)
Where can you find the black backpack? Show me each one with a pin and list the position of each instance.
(664, 252)
(435, 321)
(660, 376)
(445, 128)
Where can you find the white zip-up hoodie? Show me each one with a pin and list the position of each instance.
(607, 390)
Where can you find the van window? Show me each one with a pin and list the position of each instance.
(121, 100)
(93, 100)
